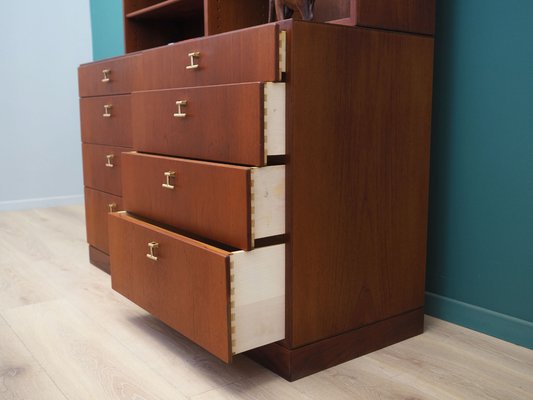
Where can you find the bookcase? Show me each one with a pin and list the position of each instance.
(152, 23)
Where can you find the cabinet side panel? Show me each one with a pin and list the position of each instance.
(358, 151)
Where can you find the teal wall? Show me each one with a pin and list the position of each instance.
(480, 258)
(108, 28)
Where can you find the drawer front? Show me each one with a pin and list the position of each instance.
(248, 55)
(210, 200)
(106, 120)
(97, 206)
(102, 167)
(187, 287)
(225, 302)
(214, 201)
(219, 123)
(113, 76)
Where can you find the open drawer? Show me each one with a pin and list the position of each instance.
(234, 205)
(240, 123)
(226, 301)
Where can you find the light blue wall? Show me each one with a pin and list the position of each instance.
(42, 44)
(480, 264)
(108, 32)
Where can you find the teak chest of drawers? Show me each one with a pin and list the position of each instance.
(275, 185)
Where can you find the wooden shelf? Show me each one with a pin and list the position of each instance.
(169, 9)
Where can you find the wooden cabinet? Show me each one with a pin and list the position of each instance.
(276, 195)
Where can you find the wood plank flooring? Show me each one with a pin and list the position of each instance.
(65, 335)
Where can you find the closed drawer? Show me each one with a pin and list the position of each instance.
(113, 76)
(226, 302)
(97, 206)
(102, 167)
(106, 120)
(229, 204)
(248, 55)
(239, 124)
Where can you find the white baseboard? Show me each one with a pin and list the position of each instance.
(43, 202)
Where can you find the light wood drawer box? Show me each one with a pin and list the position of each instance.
(112, 76)
(226, 302)
(106, 120)
(240, 124)
(102, 167)
(250, 55)
(229, 204)
(97, 205)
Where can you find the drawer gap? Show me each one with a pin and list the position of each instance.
(187, 234)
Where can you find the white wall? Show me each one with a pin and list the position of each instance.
(41, 45)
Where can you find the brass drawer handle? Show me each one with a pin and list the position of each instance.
(112, 207)
(168, 176)
(109, 159)
(107, 110)
(180, 113)
(106, 73)
(151, 247)
(193, 59)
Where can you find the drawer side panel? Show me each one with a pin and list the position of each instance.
(258, 297)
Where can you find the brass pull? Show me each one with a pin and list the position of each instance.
(106, 73)
(109, 159)
(107, 110)
(168, 176)
(193, 56)
(151, 247)
(180, 113)
(112, 207)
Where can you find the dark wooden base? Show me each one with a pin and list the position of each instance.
(303, 361)
(99, 259)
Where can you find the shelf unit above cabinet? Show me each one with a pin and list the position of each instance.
(152, 23)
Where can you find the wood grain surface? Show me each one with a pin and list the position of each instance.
(222, 123)
(96, 210)
(122, 76)
(248, 55)
(21, 376)
(357, 177)
(224, 16)
(99, 259)
(95, 173)
(96, 363)
(187, 287)
(210, 200)
(97, 129)
(416, 16)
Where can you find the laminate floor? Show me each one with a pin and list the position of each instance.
(64, 334)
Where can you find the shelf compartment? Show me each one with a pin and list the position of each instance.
(169, 9)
